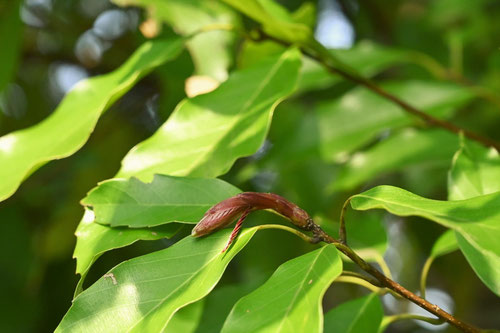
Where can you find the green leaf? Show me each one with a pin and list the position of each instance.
(290, 301)
(11, 29)
(367, 57)
(132, 203)
(446, 243)
(401, 150)
(206, 134)
(474, 220)
(360, 115)
(187, 319)
(340, 126)
(142, 294)
(210, 51)
(361, 315)
(475, 171)
(218, 305)
(68, 128)
(94, 239)
(275, 19)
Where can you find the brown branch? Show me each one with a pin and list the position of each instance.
(392, 285)
(322, 56)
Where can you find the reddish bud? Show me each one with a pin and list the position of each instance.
(220, 215)
(225, 212)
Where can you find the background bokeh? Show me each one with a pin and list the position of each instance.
(52, 44)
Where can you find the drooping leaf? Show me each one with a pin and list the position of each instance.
(68, 128)
(446, 243)
(290, 301)
(94, 239)
(206, 134)
(11, 29)
(132, 203)
(474, 220)
(210, 51)
(361, 315)
(399, 151)
(142, 294)
(475, 171)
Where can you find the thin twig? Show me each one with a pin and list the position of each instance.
(390, 284)
(323, 57)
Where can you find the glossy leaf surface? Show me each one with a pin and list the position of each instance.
(132, 203)
(474, 220)
(206, 134)
(68, 128)
(290, 301)
(142, 294)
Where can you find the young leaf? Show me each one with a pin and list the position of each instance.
(206, 134)
(94, 239)
(132, 203)
(475, 171)
(446, 243)
(429, 148)
(142, 294)
(361, 315)
(290, 301)
(68, 128)
(474, 220)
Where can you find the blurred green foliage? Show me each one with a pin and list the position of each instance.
(313, 156)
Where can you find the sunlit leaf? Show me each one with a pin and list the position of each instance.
(142, 294)
(399, 151)
(474, 220)
(361, 315)
(207, 133)
(94, 239)
(132, 203)
(290, 301)
(275, 19)
(210, 51)
(475, 171)
(68, 128)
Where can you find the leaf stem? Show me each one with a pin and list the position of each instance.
(392, 285)
(424, 274)
(405, 316)
(289, 229)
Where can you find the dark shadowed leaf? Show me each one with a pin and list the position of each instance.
(361, 315)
